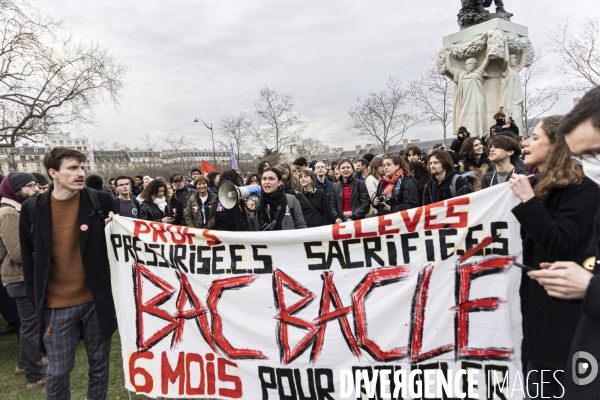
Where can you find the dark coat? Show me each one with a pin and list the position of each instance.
(360, 202)
(183, 195)
(177, 208)
(234, 219)
(559, 229)
(435, 191)
(588, 329)
(402, 198)
(326, 187)
(151, 212)
(36, 268)
(457, 144)
(491, 178)
(318, 214)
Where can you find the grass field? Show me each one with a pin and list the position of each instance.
(14, 387)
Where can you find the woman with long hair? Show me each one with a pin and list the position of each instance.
(213, 181)
(253, 179)
(474, 161)
(235, 218)
(176, 205)
(375, 175)
(155, 206)
(336, 174)
(264, 164)
(397, 190)
(350, 198)
(557, 225)
(313, 202)
(277, 210)
(290, 183)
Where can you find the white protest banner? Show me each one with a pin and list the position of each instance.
(407, 304)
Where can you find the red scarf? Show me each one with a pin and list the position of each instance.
(391, 182)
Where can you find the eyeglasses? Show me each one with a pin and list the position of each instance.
(32, 186)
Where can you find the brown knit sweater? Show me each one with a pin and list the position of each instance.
(67, 284)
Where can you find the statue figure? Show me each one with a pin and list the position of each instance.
(473, 12)
(512, 96)
(469, 98)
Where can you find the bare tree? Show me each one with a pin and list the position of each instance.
(432, 94)
(178, 144)
(383, 116)
(100, 144)
(153, 147)
(281, 126)
(310, 148)
(237, 131)
(539, 96)
(578, 53)
(47, 78)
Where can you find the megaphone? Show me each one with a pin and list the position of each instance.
(229, 194)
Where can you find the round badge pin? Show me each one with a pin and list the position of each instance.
(83, 227)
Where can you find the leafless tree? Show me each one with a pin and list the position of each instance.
(578, 53)
(237, 131)
(100, 144)
(432, 94)
(383, 116)
(177, 159)
(153, 147)
(48, 79)
(540, 95)
(310, 148)
(281, 126)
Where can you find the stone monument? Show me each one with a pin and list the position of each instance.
(484, 61)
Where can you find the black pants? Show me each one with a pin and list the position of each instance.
(8, 306)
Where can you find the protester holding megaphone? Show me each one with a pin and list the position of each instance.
(277, 210)
(230, 214)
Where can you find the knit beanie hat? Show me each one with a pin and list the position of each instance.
(19, 179)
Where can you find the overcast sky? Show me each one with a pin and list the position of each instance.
(209, 59)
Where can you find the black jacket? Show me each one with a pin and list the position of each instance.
(36, 254)
(151, 212)
(234, 219)
(491, 178)
(559, 229)
(288, 188)
(326, 187)
(435, 191)
(587, 333)
(315, 208)
(360, 202)
(177, 208)
(183, 195)
(402, 198)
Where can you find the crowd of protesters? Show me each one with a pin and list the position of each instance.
(54, 269)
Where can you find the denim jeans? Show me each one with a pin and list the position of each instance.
(30, 357)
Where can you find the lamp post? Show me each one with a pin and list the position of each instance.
(212, 138)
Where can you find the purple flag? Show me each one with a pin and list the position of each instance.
(233, 160)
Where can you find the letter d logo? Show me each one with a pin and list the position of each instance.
(584, 363)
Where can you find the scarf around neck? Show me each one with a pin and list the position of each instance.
(268, 207)
(161, 203)
(391, 182)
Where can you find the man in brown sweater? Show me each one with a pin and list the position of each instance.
(66, 272)
(15, 188)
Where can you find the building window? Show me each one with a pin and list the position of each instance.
(69, 142)
(24, 165)
(61, 141)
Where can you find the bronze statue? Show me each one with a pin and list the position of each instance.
(474, 12)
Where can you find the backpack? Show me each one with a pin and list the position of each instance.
(453, 190)
(96, 211)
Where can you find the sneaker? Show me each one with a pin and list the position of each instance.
(21, 371)
(35, 385)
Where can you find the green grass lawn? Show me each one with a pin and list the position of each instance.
(14, 387)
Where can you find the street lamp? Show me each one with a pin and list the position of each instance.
(212, 138)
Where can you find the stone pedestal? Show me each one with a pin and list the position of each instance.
(491, 83)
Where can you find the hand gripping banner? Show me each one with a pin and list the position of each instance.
(406, 305)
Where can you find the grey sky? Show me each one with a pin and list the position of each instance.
(210, 59)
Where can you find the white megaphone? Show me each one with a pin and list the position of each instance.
(229, 194)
